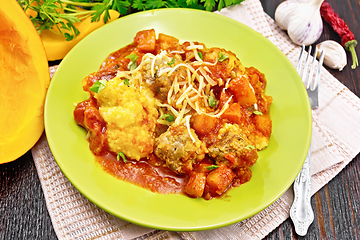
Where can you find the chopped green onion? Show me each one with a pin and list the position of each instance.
(167, 117)
(222, 56)
(200, 55)
(212, 101)
(98, 86)
(212, 167)
(250, 147)
(122, 155)
(133, 57)
(126, 82)
(257, 113)
(172, 61)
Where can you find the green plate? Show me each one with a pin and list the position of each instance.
(274, 171)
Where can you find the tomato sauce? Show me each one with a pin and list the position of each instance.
(147, 173)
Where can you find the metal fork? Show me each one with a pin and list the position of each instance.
(301, 212)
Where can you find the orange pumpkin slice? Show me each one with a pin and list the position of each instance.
(24, 79)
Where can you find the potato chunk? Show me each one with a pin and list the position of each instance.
(242, 90)
(146, 40)
(220, 179)
(196, 185)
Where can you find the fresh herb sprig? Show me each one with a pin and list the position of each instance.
(62, 14)
(59, 14)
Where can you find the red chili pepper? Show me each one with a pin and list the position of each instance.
(347, 37)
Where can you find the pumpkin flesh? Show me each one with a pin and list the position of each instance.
(24, 79)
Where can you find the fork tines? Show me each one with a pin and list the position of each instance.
(306, 76)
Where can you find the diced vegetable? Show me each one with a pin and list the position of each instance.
(233, 113)
(243, 92)
(203, 124)
(263, 124)
(196, 185)
(146, 40)
(220, 179)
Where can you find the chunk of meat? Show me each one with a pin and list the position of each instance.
(178, 150)
(233, 148)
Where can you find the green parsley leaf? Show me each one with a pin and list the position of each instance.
(250, 147)
(209, 4)
(172, 61)
(212, 101)
(122, 155)
(212, 167)
(98, 86)
(222, 56)
(257, 113)
(139, 5)
(62, 14)
(200, 55)
(133, 57)
(167, 117)
(155, 4)
(126, 82)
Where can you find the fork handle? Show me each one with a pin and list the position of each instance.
(301, 212)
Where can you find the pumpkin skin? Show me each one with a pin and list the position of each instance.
(24, 79)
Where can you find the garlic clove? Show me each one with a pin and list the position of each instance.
(284, 12)
(301, 19)
(334, 54)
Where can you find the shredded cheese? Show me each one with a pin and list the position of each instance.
(192, 47)
(181, 114)
(189, 91)
(173, 110)
(187, 121)
(208, 79)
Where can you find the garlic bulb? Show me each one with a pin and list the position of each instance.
(334, 54)
(301, 19)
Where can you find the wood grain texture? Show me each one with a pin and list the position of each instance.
(23, 212)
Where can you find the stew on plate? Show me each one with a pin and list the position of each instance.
(176, 118)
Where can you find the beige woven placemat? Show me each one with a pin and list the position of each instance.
(334, 145)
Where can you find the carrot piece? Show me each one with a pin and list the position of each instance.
(233, 113)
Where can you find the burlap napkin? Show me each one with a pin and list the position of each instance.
(334, 145)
